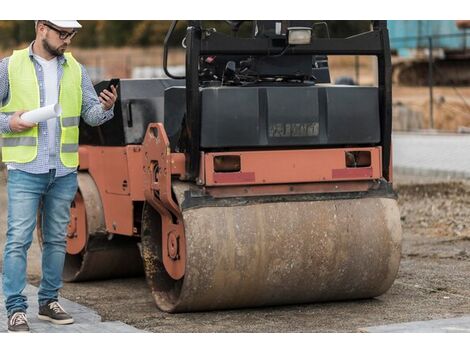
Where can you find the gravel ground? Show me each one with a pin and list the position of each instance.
(432, 281)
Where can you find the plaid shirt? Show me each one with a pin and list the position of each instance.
(92, 113)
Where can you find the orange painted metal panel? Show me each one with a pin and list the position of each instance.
(119, 175)
(114, 164)
(293, 166)
(108, 166)
(83, 158)
(349, 173)
(234, 177)
(178, 163)
(136, 172)
(159, 165)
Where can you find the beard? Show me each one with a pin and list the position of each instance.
(54, 51)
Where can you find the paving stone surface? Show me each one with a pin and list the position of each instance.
(428, 154)
(86, 320)
(458, 325)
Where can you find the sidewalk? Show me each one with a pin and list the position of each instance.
(86, 320)
(426, 154)
(461, 325)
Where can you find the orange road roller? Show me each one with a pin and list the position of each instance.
(249, 181)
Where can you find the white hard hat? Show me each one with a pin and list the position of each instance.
(65, 23)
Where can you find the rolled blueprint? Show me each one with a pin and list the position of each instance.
(42, 114)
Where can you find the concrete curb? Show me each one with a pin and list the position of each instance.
(416, 171)
(434, 155)
(461, 325)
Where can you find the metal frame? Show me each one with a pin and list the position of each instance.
(375, 42)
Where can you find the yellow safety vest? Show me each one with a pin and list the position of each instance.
(22, 147)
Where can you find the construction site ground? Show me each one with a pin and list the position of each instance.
(432, 282)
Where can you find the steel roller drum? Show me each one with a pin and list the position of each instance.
(278, 253)
(103, 256)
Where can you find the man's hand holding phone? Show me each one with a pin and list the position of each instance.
(109, 95)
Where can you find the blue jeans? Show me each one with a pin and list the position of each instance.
(25, 192)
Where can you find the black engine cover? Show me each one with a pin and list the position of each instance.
(289, 116)
(239, 117)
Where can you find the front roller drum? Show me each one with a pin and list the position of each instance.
(277, 253)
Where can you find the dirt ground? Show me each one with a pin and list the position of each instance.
(451, 108)
(451, 105)
(432, 282)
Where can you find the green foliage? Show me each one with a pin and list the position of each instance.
(14, 33)
(146, 33)
(88, 35)
(343, 29)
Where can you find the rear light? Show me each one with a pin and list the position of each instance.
(227, 163)
(358, 159)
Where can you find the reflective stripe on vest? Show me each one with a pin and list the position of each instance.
(69, 148)
(24, 95)
(71, 121)
(18, 141)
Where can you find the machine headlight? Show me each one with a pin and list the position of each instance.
(299, 35)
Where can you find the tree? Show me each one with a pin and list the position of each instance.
(147, 33)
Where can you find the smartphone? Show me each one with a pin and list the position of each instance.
(112, 82)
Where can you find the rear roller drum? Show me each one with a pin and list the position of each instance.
(91, 253)
(104, 259)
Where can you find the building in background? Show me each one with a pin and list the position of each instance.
(444, 44)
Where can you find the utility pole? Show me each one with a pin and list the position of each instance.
(431, 84)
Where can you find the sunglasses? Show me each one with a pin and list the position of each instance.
(62, 34)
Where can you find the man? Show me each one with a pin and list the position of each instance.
(42, 160)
